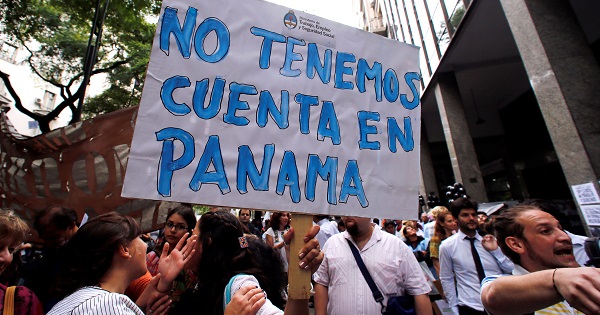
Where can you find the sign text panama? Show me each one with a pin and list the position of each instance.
(301, 121)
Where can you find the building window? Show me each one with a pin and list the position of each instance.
(8, 52)
(49, 100)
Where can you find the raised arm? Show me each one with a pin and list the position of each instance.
(171, 264)
(580, 287)
(490, 244)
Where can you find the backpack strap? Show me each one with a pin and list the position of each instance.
(365, 272)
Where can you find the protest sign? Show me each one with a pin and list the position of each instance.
(250, 104)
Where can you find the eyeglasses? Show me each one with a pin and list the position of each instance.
(178, 227)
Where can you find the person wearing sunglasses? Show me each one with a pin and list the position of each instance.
(180, 220)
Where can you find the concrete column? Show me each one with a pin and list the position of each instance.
(458, 137)
(428, 181)
(564, 77)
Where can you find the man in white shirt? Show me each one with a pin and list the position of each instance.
(547, 278)
(579, 248)
(327, 229)
(341, 288)
(460, 256)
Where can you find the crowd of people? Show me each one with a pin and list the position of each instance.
(517, 261)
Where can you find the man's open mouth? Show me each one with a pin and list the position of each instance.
(564, 252)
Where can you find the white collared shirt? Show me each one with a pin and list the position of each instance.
(457, 261)
(390, 262)
(327, 229)
(428, 229)
(579, 248)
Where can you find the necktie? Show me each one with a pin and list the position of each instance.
(477, 260)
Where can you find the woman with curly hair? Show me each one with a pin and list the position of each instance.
(13, 231)
(274, 235)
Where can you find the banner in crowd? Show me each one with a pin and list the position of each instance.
(79, 166)
(253, 105)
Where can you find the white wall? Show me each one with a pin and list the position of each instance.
(28, 88)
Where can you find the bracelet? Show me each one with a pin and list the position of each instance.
(554, 283)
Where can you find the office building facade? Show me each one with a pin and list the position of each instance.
(509, 101)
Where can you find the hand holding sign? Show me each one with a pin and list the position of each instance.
(248, 104)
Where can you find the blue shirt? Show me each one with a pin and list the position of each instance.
(456, 260)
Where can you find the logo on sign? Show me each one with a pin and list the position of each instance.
(289, 20)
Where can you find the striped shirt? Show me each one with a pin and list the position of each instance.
(95, 300)
(561, 308)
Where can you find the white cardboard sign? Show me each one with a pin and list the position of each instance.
(586, 194)
(250, 104)
(591, 213)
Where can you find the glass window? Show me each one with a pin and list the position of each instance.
(8, 52)
(49, 100)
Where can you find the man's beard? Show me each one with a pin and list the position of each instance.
(465, 227)
(538, 258)
(353, 229)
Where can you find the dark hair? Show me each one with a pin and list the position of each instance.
(89, 253)
(184, 210)
(60, 217)
(488, 225)
(276, 220)
(341, 224)
(462, 203)
(321, 217)
(507, 224)
(375, 220)
(388, 223)
(223, 258)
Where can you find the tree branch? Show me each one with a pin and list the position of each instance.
(113, 66)
(15, 96)
(35, 70)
